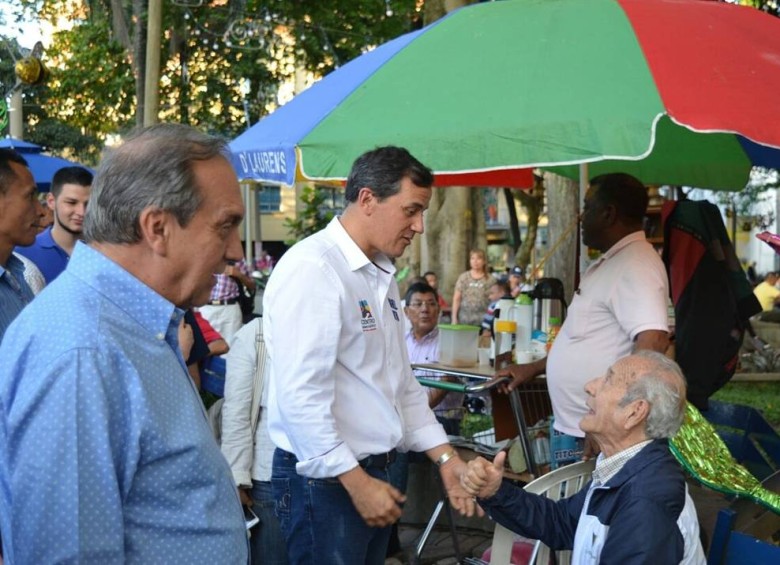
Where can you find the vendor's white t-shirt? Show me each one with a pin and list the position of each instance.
(625, 292)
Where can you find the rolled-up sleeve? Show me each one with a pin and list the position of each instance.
(421, 429)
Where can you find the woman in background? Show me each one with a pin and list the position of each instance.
(471, 300)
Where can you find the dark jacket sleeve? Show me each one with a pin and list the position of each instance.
(534, 516)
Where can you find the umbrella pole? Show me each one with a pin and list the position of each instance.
(581, 201)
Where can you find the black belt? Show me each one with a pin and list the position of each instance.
(379, 461)
(223, 302)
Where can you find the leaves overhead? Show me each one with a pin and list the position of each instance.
(211, 49)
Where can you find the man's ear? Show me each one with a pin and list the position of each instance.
(50, 201)
(155, 227)
(610, 214)
(366, 200)
(637, 413)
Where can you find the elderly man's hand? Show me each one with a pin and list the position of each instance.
(452, 475)
(482, 477)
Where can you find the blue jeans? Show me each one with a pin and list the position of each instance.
(319, 521)
(399, 469)
(266, 541)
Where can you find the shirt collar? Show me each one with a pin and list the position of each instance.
(630, 238)
(46, 240)
(355, 257)
(617, 248)
(139, 301)
(14, 266)
(7, 266)
(608, 467)
(427, 338)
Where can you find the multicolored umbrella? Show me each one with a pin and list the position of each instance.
(673, 91)
(41, 166)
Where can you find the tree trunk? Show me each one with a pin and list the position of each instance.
(152, 69)
(533, 202)
(514, 224)
(119, 25)
(139, 58)
(562, 212)
(453, 223)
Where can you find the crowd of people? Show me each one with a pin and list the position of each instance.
(105, 451)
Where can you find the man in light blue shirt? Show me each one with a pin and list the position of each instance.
(20, 214)
(105, 452)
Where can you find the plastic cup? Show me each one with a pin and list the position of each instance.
(483, 353)
(524, 357)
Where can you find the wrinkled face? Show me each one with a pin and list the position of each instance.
(210, 240)
(423, 312)
(396, 219)
(605, 417)
(20, 209)
(477, 261)
(432, 281)
(593, 220)
(69, 207)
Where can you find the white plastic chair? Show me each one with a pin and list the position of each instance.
(561, 483)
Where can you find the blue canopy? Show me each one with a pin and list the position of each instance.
(41, 166)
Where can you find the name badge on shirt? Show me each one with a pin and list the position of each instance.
(367, 320)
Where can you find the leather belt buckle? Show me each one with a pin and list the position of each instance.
(378, 461)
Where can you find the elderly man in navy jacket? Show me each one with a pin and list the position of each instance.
(637, 508)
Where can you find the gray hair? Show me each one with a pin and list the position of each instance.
(662, 385)
(153, 167)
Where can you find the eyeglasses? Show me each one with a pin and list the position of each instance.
(417, 305)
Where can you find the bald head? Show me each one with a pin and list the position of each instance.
(655, 378)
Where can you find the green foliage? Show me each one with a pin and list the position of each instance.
(329, 34)
(763, 396)
(95, 61)
(9, 49)
(91, 87)
(314, 216)
(750, 204)
(474, 423)
(769, 6)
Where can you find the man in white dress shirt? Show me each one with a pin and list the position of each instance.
(342, 396)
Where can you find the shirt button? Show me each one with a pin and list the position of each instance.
(160, 336)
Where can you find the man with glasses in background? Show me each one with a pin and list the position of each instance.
(422, 341)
